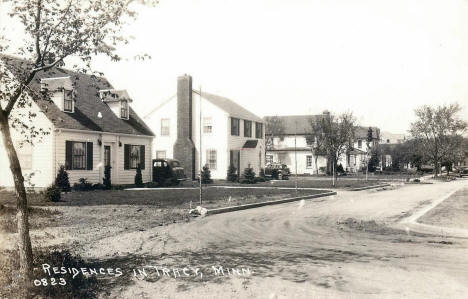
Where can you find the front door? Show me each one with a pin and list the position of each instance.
(235, 159)
(109, 162)
(107, 155)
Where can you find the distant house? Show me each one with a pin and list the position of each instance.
(357, 157)
(89, 125)
(231, 135)
(291, 147)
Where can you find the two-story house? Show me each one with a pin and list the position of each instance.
(89, 125)
(230, 134)
(293, 147)
(359, 154)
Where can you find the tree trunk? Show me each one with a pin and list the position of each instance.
(24, 241)
(316, 166)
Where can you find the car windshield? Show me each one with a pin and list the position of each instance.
(175, 164)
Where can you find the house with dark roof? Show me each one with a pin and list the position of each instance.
(291, 146)
(230, 134)
(89, 125)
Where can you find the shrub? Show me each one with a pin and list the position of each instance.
(138, 177)
(275, 174)
(61, 180)
(340, 168)
(206, 175)
(249, 176)
(83, 185)
(232, 174)
(107, 177)
(99, 187)
(260, 179)
(52, 193)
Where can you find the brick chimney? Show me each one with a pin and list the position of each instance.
(184, 149)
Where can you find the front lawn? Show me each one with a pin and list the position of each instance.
(452, 212)
(166, 198)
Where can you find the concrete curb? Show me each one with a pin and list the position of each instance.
(369, 187)
(266, 203)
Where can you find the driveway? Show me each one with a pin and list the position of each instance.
(336, 247)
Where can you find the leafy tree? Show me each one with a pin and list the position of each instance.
(107, 177)
(206, 175)
(53, 31)
(274, 127)
(316, 140)
(438, 130)
(138, 177)
(337, 132)
(61, 181)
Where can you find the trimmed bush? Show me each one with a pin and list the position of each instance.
(340, 169)
(249, 176)
(83, 185)
(138, 177)
(52, 193)
(99, 187)
(61, 180)
(206, 175)
(107, 177)
(275, 174)
(232, 175)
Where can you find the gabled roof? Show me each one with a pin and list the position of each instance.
(229, 106)
(87, 104)
(225, 104)
(361, 132)
(296, 124)
(300, 125)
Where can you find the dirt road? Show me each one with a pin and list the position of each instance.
(342, 246)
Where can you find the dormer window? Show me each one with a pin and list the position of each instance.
(118, 101)
(61, 92)
(124, 109)
(68, 101)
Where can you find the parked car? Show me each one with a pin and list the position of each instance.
(461, 171)
(277, 171)
(167, 172)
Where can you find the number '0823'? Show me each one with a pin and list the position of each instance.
(49, 282)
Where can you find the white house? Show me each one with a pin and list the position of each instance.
(231, 135)
(89, 125)
(291, 147)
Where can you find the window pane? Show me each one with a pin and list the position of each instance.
(207, 125)
(247, 128)
(211, 159)
(235, 126)
(124, 109)
(134, 156)
(79, 155)
(165, 127)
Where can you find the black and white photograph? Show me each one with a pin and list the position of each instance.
(233, 149)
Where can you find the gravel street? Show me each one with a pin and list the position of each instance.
(342, 246)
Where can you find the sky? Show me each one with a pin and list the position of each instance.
(378, 59)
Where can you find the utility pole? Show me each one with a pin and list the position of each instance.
(295, 154)
(200, 148)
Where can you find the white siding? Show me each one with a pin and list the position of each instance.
(41, 156)
(164, 143)
(249, 156)
(220, 139)
(119, 174)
